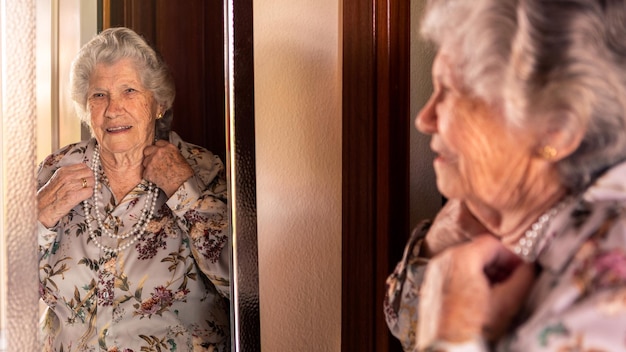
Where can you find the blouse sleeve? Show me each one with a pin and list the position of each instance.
(402, 295)
(200, 206)
(47, 237)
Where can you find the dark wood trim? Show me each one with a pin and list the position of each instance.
(248, 324)
(376, 115)
(358, 178)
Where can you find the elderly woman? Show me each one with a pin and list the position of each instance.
(133, 228)
(528, 122)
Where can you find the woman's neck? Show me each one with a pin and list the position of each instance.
(124, 172)
(511, 222)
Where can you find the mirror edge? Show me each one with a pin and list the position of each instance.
(239, 85)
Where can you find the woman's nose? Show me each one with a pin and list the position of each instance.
(114, 107)
(426, 120)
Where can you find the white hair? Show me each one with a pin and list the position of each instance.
(112, 45)
(549, 65)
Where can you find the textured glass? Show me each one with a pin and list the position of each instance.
(18, 168)
(242, 175)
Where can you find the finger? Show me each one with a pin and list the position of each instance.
(482, 249)
(73, 168)
(515, 288)
(149, 150)
(502, 265)
(55, 200)
(80, 179)
(86, 182)
(66, 176)
(454, 297)
(162, 143)
(453, 225)
(507, 298)
(469, 223)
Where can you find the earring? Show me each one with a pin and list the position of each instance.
(548, 152)
(160, 115)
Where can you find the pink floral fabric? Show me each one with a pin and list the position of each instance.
(578, 302)
(167, 292)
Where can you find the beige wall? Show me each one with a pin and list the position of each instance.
(298, 146)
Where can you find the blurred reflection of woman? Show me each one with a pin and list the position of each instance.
(528, 121)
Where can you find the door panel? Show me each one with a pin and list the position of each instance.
(375, 165)
(190, 36)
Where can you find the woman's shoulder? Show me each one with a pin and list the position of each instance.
(195, 154)
(71, 151)
(181, 144)
(70, 154)
(207, 166)
(602, 208)
(610, 186)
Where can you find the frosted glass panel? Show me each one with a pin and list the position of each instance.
(17, 37)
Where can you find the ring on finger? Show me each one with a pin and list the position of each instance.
(84, 182)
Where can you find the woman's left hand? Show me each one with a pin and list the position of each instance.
(471, 291)
(165, 166)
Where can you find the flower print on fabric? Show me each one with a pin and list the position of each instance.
(603, 270)
(578, 301)
(171, 282)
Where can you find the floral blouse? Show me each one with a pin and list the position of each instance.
(578, 302)
(167, 292)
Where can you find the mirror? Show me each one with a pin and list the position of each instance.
(19, 297)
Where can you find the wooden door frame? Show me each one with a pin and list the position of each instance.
(376, 115)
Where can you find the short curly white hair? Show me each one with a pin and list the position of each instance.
(110, 46)
(549, 65)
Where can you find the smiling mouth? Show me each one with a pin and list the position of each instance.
(118, 129)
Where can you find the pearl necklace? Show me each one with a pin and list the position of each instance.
(528, 246)
(138, 229)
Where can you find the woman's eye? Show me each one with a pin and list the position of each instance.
(130, 90)
(97, 95)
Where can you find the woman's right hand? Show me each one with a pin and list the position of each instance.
(472, 290)
(69, 186)
(454, 224)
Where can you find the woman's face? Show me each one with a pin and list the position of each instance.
(122, 110)
(478, 158)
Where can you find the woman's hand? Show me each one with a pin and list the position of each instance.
(69, 186)
(165, 166)
(454, 224)
(472, 291)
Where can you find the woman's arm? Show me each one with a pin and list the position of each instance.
(200, 206)
(453, 225)
(471, 293)
(63, 181)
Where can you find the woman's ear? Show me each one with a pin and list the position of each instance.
(160, 110)
(564, 134)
